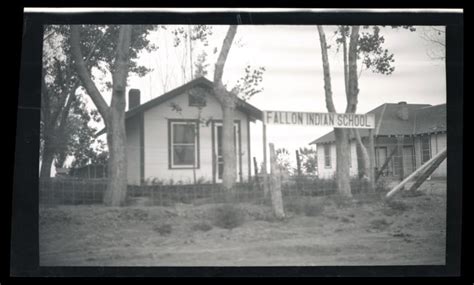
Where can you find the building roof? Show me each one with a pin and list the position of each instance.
(420, 119)
(430, 120)
(252, 111)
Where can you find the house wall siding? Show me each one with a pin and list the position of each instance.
(438, 143)
(156, 140)
(329, 172)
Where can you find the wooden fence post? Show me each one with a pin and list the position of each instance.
(275, 189)
(428, 172)
(255, 166)
(298, 169)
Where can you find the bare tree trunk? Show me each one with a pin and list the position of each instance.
(114, 116)
(46, 160)
(342, 139)
(342, 162)
(365, 154)
(116, 191)
(227, 100)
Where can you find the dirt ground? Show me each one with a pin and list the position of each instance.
(367, 231)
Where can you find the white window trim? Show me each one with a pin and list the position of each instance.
(195, 144)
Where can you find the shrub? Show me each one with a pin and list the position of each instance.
(163, 229)
(228, 216)
(203, 226)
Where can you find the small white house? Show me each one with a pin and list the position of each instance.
(178, 136)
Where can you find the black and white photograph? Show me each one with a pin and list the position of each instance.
(197, 145)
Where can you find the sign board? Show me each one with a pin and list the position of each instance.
(336, 120)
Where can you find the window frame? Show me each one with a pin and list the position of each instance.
(327, 155)
(428, 144)
(171, 144)
(193, 94)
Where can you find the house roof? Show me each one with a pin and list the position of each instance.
(255, 113)
(421, 119)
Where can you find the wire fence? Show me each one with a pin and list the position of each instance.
(75, 191)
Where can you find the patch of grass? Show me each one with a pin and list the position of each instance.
(163, 229)
(305, 207)
(397, 205)
(340, 201)
(379, 224)
(415, 193)
(130, 214)
(228, 216)
(345, 220)
(203, 226)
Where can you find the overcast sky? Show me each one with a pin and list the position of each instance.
(293, 79)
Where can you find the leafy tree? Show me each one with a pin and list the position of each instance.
(201, 65)
(118, 56)
(250, 83)
(365, 46)
(436, 37)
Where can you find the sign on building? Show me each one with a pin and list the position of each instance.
(336, 120)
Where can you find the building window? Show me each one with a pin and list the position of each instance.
(197, 97)
(184, 144)
(425, 149)
(327, 155)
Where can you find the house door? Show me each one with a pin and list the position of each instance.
(408, 160)
(219, 161)
(380, 158)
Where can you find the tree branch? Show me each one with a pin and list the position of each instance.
(121, 65)
(353, 77)
(219, 66)
(326, 71)
(346, 70)
(83, 73)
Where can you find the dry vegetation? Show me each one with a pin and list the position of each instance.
(318, 231)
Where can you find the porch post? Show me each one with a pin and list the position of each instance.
(400, 156)
(372, 159)
(264, 169)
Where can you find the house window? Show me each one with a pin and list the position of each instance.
(425, 149)
(327, 155)
(184, 144)
(197, 97)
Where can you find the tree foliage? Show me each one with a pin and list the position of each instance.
(283, 160)
(250, 83)
(64, 115)
(370, 48)
(309, 160)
